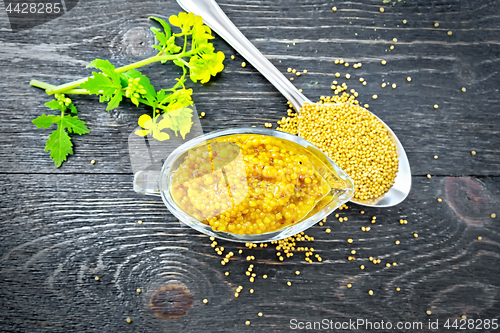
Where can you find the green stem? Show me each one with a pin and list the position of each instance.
(122, 69)
(45, 86)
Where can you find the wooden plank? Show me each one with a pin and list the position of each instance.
(61, 231)
(303, 36)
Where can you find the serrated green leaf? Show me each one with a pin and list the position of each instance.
(75, 125)
(54, 105)
(108, 89)
(60, 146)
(106, 67)
(45, 121)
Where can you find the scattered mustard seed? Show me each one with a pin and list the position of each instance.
(436, 106)
(362, 266)
(464, 317)
(374, 96)
(328, 231)
(260, 314)
(243, 64)
(394, 264)
(381, 9)
(393, 86)
(337, 74)
(361, 79)
(383, 85)
(415, 235)
(92, 162)
(334, 9)
(297, 272)
(463, 89)
(202, 114)
(493, 215)
(397, 242)
(449, 33)
(247, 322)
(439, 199)
(289, 70)
(383, 62)
(394, 40)
(251, 291)
(96, 278)
(436, 24)
(232, 57)
(349, 240)
(398, 289)
(408, 79)
(128, 320)
(349, 285)
(289, 283)
(370, 292)
(480, 238)
(405, 21)
(140, 222)
(264, 276)
(139, 290)
(364, 83)
(429, 176)
(391, 47)
(348, 76)
(205, 301)
(353, 252)
(473, 152)
(387, 265)
(435, 157)
(304, 71)
(428, 312)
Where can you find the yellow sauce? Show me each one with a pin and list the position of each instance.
(249, 184)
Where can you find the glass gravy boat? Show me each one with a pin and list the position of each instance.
(159, 183)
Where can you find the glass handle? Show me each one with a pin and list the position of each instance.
(147, 182)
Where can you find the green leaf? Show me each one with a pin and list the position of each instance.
(60, 146)
(144, 81)
(75, 125)
(108, 89)
(45, 121)
(106, 67)
(166, 27)
(54, 105)
(72, 108)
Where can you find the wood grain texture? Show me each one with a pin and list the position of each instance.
(60, 228)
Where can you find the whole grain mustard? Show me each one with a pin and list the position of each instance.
(247, 184)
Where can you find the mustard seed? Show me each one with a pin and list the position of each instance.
(463, 89)
(449, 33)
(247, 322)
(334, 9)
(374, 96)
(383, 62)
(205, 301)
(139, 290)
(381, 9)
(243, 64)
(394, 40)
(398, 289)
(493, 215)
(349, 285)
(473, 152)
(92, 162)
(232, 57)
(436, 24)
(405, 21)
(260, 314)
(428, 312)
(128, 320)
(370, 292)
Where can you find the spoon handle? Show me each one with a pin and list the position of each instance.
(217, 20)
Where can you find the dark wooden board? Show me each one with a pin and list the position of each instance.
(62, 227)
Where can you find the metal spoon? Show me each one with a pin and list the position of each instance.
(215, 18)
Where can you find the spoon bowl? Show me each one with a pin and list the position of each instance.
(216, 19)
